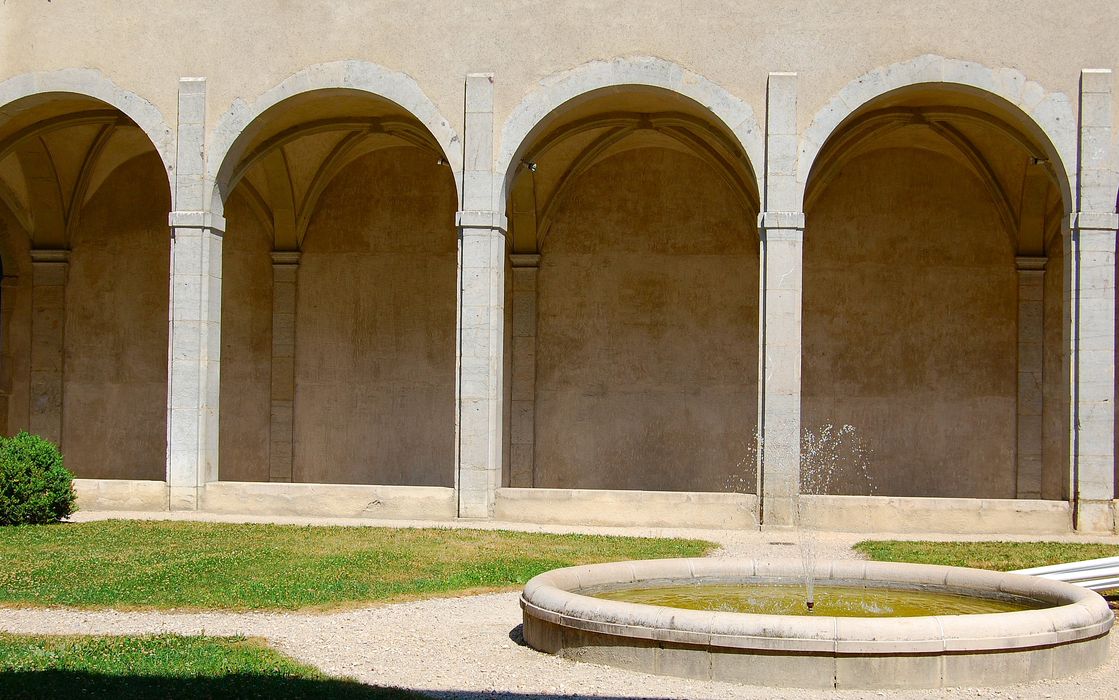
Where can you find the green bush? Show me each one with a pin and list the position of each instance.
(34, 486)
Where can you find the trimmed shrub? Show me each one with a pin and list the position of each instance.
(34, 486)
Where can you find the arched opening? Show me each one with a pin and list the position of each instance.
(632, 298)
(84, 200)
(933, 297)
(338, 298)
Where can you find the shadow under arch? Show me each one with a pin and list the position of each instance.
(932, 290)
(536, 112)
(237, 127)
(1047, 117)
(634, 266)
(91, 83)
(341, 246)
(86, 177)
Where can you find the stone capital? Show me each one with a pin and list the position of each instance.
(481, 219)
(1094, 221)
(286, 257)
(53, 256)
(1031, 263)
(197, 219)
(522, 260)
(777, 220)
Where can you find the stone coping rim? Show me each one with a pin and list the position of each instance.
(1078, 614)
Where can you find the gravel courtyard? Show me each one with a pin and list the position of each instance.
(469, 647)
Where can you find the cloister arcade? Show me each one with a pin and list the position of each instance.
(84, 296)
(622, 304)
(932, 297)
(633, 299)
(340, 251)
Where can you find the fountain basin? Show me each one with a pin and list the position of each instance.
(561, 617)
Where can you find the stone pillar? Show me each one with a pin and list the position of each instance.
(522, 432)
(1090, 250)
(480, 334)
(1090, 297)
(195, 355)
(481, 313)
(1031, 329)
(781, 234)
(285, 270)
(49, 269)
(195, 314)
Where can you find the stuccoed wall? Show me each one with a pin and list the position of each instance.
(246, 338)
(909, 326)
(374, 367)
(114, 352)
(115, 394)
(647, 330)
(731, 42)
(375, 334)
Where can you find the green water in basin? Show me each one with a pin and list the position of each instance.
(834, 601)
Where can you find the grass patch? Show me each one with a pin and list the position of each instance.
(165, 666)
(999, 556)
(217, 566)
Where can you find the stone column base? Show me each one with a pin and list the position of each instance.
(183, 497)
(1096, 517)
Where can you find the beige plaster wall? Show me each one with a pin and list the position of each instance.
(732, 42)
(115, 359)
(246, 340)
(647, 330)
(910, 306)
(375, 329)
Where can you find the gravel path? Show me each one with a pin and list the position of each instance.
(469, 647)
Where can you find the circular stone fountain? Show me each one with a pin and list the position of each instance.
(1064, 633)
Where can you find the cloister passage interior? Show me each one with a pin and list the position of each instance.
(631, 299)
(933, 298)
(84, 200)
(338, 297)
(931, 262)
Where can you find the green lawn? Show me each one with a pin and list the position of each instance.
(165, 667)
(144, 564)
(1000, 556)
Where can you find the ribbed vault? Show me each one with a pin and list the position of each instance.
(603, 127)
(1016, 174)
(300, 145)
(55, 155)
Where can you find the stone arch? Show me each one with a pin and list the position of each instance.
(93, 83)
(226, 147)
(530, 115)
(632, 190)
(97, 215)
(1047, 116)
